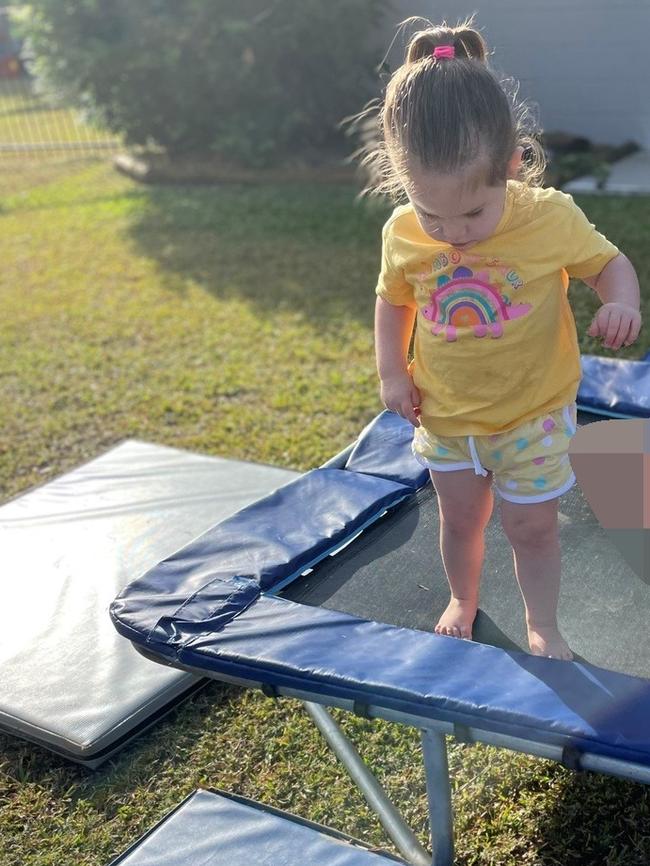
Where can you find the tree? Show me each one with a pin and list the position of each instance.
(253, 80)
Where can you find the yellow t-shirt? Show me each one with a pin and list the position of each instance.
(495, 342)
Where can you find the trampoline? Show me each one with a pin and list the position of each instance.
(326, 590)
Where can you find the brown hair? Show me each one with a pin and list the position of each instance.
(446, 113)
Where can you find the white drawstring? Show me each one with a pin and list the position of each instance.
(478, 469)
(569, 420)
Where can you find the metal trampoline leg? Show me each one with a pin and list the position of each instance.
(391, 820)
(441, 821)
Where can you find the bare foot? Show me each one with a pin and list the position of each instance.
(457, 619)
(546, 640)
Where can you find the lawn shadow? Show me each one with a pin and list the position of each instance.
(305, 248)
(595, 820)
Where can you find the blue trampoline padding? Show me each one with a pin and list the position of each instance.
(333, 654)
(205, 608)
(384, 449)
(209, 828)
(261, 548)
(615, 388)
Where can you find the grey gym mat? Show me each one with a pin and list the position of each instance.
(213, 828)
(67, 680)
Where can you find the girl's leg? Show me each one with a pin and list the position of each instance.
(465, 503)
(532, 529)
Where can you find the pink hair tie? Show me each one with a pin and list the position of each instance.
(444, 52)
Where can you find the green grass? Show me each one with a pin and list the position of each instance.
(238, 321)
(29, 118)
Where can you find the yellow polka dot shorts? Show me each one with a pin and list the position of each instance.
(529, 463)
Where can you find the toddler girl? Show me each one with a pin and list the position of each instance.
(480, 259)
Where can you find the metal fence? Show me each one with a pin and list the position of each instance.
(31, 124)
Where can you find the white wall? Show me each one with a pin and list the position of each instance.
(586, 63)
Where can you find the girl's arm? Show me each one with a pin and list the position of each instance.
(393, 329)
(618, 321)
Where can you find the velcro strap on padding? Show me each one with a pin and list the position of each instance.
(359, 708)
(463, 734)
(270, 691)
(571, 758)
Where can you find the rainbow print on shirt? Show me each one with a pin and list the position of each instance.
(472, 300)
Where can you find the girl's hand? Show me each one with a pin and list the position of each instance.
(618, 325)
(400, 395)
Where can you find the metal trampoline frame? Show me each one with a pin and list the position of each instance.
(433, 735)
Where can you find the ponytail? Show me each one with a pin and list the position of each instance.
(445, 113)
(467, 42)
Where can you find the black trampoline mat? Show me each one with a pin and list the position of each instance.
(393, 573)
